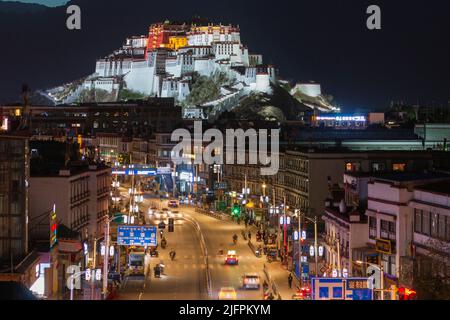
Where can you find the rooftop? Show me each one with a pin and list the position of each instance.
(441, 187)
(401, 177)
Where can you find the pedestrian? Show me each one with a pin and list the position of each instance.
(249, 235)
(290, 280)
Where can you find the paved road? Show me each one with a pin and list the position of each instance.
(219, 235)
(183, 278)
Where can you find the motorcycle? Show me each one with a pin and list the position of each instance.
(172, 255)
(258, 252)
(157, 270)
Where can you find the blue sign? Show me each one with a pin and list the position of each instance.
(341, 289)
(135, 172)
(136, 236)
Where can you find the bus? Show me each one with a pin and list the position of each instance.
(136, 264)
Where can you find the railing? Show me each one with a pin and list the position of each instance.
(213, 214)
(272, 283)
(79, 197)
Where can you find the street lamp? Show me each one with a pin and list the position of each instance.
(359, 262)
(316, 251)
(106, 256)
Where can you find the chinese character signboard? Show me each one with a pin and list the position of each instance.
(359, 289)
(136, 235)
(384, 246)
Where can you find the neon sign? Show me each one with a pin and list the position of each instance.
(342, 118)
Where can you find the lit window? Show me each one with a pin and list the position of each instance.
(399, 167)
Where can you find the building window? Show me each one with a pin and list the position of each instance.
(392, 230)
(378, 167)
(399, 167)
(388, 264)
(426, 223)
(448, 229)
(372, 227)
(352, 166)
(418, 220)
(442, 225)
(434, 225)
(384, 229)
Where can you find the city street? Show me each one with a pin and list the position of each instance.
(183, 278)
(218, 236)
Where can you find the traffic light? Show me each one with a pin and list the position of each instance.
(406, 294)
(236, 210)
(171, 225)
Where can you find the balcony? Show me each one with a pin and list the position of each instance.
(102, 191)
(80, 197)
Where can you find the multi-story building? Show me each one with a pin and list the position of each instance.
(430, 207)
(88, 119)
(17, 262)
(305, 173)
(80, 194)
(14, 209)
(345, 227)
(390, 218)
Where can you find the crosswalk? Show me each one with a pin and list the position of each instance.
(216, 263)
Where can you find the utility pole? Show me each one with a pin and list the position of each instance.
(278, 221)
(316, 253)
(300, 267)
(285, 246)
(94, 268)
(338, 242)
(105, 261)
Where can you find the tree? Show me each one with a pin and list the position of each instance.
(431, 272)
(127, 94)
(205, 88)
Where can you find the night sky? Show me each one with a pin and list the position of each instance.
(324, 41)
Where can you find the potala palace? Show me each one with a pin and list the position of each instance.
(166, 63)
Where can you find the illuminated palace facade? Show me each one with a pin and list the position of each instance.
(163, 62)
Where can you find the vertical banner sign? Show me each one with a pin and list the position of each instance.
(53, 227)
